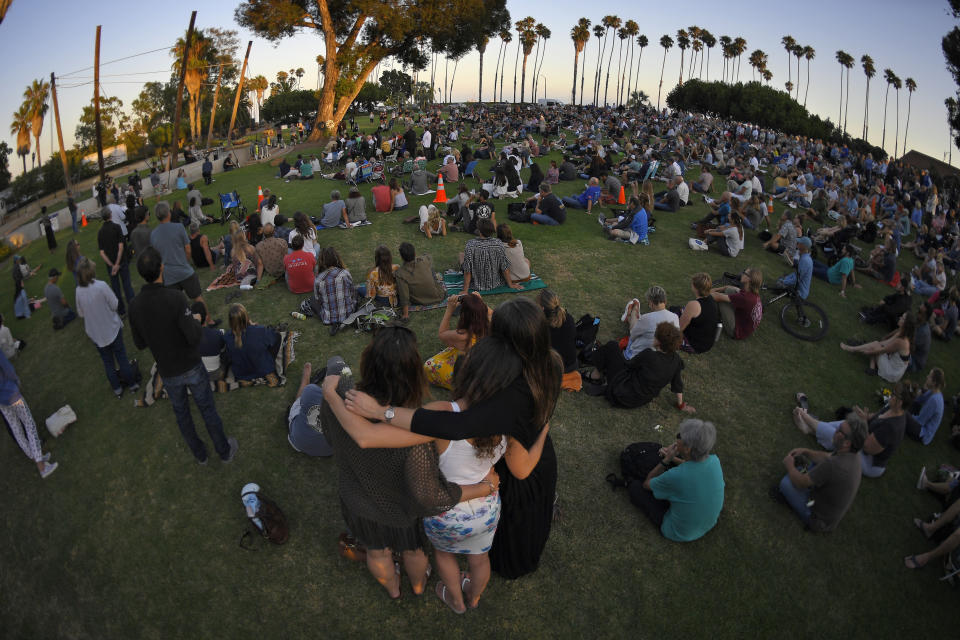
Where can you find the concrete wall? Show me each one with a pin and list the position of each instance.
(31, 231)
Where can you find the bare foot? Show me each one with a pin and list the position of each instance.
(800, 423)
(914, 562)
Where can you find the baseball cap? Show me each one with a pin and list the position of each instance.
(53, 272)
(805, 241)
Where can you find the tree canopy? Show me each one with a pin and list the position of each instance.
(358, 34)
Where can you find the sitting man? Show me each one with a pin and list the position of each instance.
(785, 240)
(890, 309)
(449, 170)
(802, 274)
(610, 192)
(228, 164)
(272, 251)
(669, 200)
(882, 264)
(586, 200)
(823, 493)
(547, 208)
(568, 170)
(299, 267)
(632, 228)
(740, 308)
(484, 261)
(306, 170)
(419, 182)
(283, 170)
(416, 282)
(719, 213)
(334, 212)
(683, 494)
(705, 182)
(840, 272)
(60, 311)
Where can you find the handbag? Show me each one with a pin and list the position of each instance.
(59, 421)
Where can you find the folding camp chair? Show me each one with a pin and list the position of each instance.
(231, 206)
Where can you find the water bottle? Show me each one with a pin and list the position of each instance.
(248, 495)
(298, 315)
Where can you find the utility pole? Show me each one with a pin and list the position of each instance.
(213, 111)
(56, 117)
(236, 100)
(96, 107)
(175, 151)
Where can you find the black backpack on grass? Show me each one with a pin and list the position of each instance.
(637, 460)
(516, 212)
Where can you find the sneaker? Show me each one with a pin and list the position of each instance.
(601, 219)
(46, 457)
(48, 468)
(234, 446)
(922, 478)
(133, 387)
(118, 392)
(203, 462)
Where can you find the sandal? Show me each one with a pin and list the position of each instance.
(426, 579)
(615, 481)
(464, 581)
(441, 591)
(396, 570)
(918, 523)
(911, 563)
(802, 401)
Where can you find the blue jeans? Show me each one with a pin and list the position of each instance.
(115, 352)
(21, 305)
(796, 498)
(301, 435)
(122, 277)
(198, 383)
(542, 219)
(922, 288)
(572, 203)
(73, 220)
(820, 270)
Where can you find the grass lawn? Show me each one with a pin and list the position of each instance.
(130, 538)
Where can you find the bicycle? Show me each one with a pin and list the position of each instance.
(800, 318)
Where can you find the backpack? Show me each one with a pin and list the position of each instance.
(516, 212)
(267, 519)
(637, 460)
(586, 330)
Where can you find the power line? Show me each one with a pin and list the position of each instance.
(117, 60)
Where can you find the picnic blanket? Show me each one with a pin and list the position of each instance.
(454, 284)
(154, 388)
(225, 280)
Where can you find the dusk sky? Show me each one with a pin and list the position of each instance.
(40, 36)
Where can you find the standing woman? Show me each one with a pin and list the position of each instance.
(20, 271)
(509, 381)
(73, 259)
(48, 231)
(17, 414)
(97, 305)
(385, 493)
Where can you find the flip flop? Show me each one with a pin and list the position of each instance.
(911, 563)
(464, 581)
(441, 591)
(425, 580)
(802, 401)
(918, 523)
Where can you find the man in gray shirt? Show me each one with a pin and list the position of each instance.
(335, 211)
(60, 311)
(173, 243)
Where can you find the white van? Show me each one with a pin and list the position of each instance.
(549, 102)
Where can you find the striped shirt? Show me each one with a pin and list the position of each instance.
(486, 260)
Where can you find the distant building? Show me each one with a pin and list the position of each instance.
(937, 168)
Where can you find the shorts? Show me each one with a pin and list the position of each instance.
(190, 286)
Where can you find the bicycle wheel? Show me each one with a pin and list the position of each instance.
(804, 320)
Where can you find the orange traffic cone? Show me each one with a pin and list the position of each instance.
(623, 196)
(259, 196)
(770, 206)
(83, 218)
(441, 193)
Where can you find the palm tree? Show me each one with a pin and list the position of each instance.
(809, 53)
(543, 34)
(320, 60)
(642, 42)
(615, 23)
(897, 85)
(848, 62)
(621, 35)
(197, 67)
(482, 41)
(35, 97)
(709, 41)
(666, 42)
(890, 77)
(788, 44)
(506, 36)
(789, 86)
(798, 52)
(696, 45)
(20, 127)
(258, 85)
(599, 31)
(638, 99)
(767, 75)
(632, 29)
(683, 42)
(527, 39)
(911, 85)
(952, 108)
(757, 60)
(580, 33)
(523, 27)
(725, 42)
(841, 56)
(739, 47)
(868, 70)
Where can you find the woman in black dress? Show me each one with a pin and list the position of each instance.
(509, 381)
(48, 231)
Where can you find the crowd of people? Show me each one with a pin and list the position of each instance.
(477, 476)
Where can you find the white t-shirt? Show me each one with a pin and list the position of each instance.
(641, 335)
(267, 214)
(427, 139)
(683, 190)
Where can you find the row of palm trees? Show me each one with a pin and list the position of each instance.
(28, 119)
(846, 62)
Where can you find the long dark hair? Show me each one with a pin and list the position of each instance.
(536, 173)
(519, 343)
(391, 369)
(474, 318)
(384, 264)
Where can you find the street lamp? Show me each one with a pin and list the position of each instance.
(544, 78)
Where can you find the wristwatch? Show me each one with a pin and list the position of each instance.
(388, 414)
